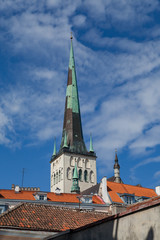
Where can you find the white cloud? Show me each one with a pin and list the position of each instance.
(122, 89)
(79, 20)
(157, 174)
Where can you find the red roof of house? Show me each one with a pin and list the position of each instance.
(115, 188)
(29, 195)
(34, 216)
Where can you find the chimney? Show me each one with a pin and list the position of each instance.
(17, 189)
(105, 195)
(13, 186)
(157, 190)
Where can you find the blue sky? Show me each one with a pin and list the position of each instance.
(117, 54)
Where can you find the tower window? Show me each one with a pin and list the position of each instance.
(54, 179)
(87, 163)
(85, 176)
(92, 177)
(59, 175)
(68, 173)
(80, 174)
(79, 162)
(72, 172)
(72, 161)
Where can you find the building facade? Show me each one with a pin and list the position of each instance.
(72, 150)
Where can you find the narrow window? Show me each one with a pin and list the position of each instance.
(85, 176)
(54, 179)
(59, 175)
(80, 174)
(68, 173)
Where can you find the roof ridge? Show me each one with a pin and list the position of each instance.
(131, 185)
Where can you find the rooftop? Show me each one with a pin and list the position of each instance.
(115, 188)
(34, 216)
(29, 195)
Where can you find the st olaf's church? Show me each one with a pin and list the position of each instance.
(73, 167)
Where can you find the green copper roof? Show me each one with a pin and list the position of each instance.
(72, 92)
(75, 186)
(91, 144)
(54, 150)
(75, 175)
(65, 140)
(72, 118)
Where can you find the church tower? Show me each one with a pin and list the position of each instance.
(73, 153)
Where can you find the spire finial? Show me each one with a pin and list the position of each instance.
(91, 144)
(116, 157)
(54, 150)
(71, 36)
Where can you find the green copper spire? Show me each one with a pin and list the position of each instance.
(54, 150)
(72, 117)
(75, 186)
(65, 140)
(91, 144)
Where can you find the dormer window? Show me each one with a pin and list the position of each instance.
(128, 198)
(86, 198)
(41, 196)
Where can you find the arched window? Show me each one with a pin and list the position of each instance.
(72, 161)
(80, 174)
(92, 177)
(69, 173)
(87, 163)
(54, 179)
(79, 162)
(85, 176)
(59, 176)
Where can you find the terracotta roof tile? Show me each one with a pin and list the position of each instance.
(35, 216)
(115, 188)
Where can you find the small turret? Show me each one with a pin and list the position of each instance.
(116, 169)
(75, 185)
(91, 145)
(54, 149)
(65, 141)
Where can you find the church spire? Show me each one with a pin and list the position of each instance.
(116, 169)
(72, 126)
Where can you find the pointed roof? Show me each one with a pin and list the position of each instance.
(116, 165)
(75, 185)
(54, 150)
(75, 174)
(91, 144)
(72, 126)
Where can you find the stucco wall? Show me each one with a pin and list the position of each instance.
(63, 162)
(141, 225)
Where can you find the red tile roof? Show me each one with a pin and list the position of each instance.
(115, 188)
(29, 195)
(33, 216)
